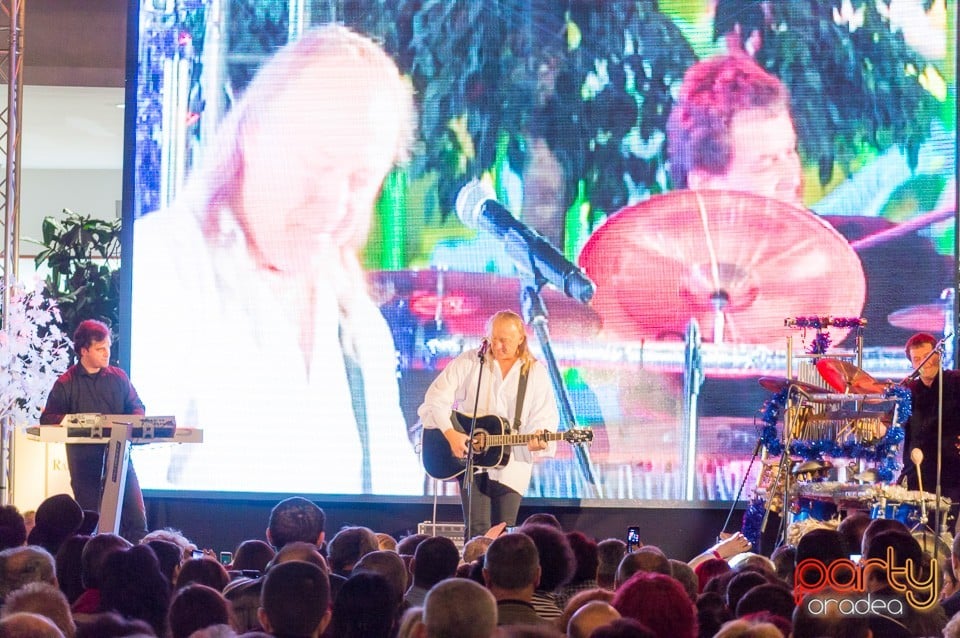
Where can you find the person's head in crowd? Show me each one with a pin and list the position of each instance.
(823, 545)
(69, 566)
(742, 628)
(194, 607)
(389, 565)
(411, 623)
(133, 585)
(659, 602)
(708, 570)
(407, 545)
(774, 598)
(784, 625)
(28, 625)
(731, 129)
(169, 556)
(475, 548)
(243, 594)
(684, 575)
(851, 530)
(361, 610)
(511, 567)
(585, 620)
(295, 600)
(951, 630)
(113, 625)
(174, 536)
(948, 578)
(828, 620)
(252, 555)
(740, 584)
(878, 526)
(580, 599)
(306, 552)
(296, 519)
(348, 546)
(22, 565)
(45, 600)
(543, 518)
(624, 628)
(58, 518)
(557, 561)
(752, 560)
(784, 560)
(459, 608)
(585, 558)
(386, 542)
(203, 571)
(29, 521)
(436, 559)
(902, 548)
(712, 613)
(88, 527)
(610, 552)
(218, 631)
(13, 529)
(94, 553)
(645, 559)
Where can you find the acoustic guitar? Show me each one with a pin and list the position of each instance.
(491, 444)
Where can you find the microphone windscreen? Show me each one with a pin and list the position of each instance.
(469, 202)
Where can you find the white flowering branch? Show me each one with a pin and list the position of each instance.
(33, 353)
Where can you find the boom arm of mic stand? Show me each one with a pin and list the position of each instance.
(535, 314)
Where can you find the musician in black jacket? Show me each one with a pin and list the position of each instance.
(94, 386)
(921, 428)
(497, 491)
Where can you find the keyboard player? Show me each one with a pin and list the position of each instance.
(94, 386)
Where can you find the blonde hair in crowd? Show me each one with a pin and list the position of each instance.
(523, 350)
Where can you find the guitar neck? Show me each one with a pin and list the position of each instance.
(520, 439)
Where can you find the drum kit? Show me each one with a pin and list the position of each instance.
(851, 406)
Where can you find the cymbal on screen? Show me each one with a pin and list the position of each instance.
(921, 318)
(463, 301)
(843, 376)
(689, 254)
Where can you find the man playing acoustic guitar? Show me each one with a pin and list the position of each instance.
(496, 490)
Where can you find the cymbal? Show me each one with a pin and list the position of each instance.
(843, 376)
(930, 317)
(463, 301)
(679, 256)
(776, 384)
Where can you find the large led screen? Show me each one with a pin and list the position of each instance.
(744, 183)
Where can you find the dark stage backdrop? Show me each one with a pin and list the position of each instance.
(286, 303)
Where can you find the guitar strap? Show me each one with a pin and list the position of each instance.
(521, 392)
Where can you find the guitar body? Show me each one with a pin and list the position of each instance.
(440, 463)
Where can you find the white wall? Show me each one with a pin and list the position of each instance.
(44, 192)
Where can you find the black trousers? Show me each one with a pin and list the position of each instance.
(491, 503)
(86, 462)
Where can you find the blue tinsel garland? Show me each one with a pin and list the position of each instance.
(883, 452)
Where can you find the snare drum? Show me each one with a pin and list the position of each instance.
(907, 513)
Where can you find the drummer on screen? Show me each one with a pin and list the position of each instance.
(921, 427)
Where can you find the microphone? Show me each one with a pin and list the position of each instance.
(484, 348)
(478, 208)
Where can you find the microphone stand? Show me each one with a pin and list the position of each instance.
(468, 474)
(535, 314)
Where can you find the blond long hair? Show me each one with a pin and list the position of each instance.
(523, 350)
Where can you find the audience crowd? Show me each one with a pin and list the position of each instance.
(63, 580)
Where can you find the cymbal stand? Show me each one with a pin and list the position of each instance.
(692, 382)
(535, 314)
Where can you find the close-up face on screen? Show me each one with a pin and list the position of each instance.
(331, 199)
